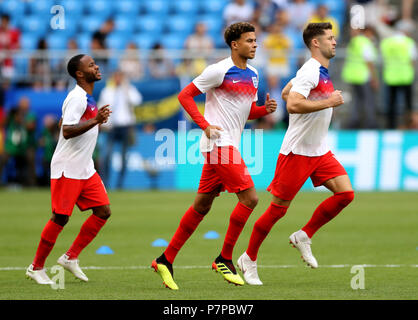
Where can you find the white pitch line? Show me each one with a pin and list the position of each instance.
(260, 266)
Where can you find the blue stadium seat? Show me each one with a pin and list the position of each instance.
(333, 6)
(91, 23)
(213, 6)
(117, 40)
(160, 7)
(145, 40)
(103, 8)
(184, 7)
(127, 7)
(40, 8)
(12, 7)
(73, 8)
(214, 23)
(71, 26)
(35, 25)
(57, 40)
(125, 23)
(84, 41)
(29, 41)
(174, 41)
(180, 24)
(149, 23)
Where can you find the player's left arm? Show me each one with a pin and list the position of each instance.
(261, 111)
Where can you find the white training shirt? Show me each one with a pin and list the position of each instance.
(73, 157)
(307, 133)
(230, 92)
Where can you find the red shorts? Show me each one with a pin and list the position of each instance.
(293, 170)
(86, 194)
(223, 170)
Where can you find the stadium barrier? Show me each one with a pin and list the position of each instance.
(374, 160)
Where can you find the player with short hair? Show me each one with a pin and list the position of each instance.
(231, 94)
(304, 153)
(73, 177)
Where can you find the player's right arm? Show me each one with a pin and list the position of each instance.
(297, 103)
(74, 130)
(297, 99)
(210, 78)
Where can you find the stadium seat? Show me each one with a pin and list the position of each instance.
(84, 41)
(184, 7)
(73, 8)
(127, 7)
(12, 7)
(117, 40)
(160, 7)
(29, 41)
(102, 8)
(91, 23)
(35, 25)
(149, 23)
(40, 8)
(124, 23)
(213, 6)
(214, 23)
(174, 40)
(180, 24)
(145, 40)
(57, 40)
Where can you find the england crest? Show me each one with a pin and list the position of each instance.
(255, 82)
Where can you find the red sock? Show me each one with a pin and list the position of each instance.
(188, 225)
(48, 237)
(327, 210)
(88, 232)
(263, 226)
(239, 217)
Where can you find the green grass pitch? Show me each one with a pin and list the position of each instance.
(378, 230)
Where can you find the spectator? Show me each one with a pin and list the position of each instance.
(399, 54)
(159, 65)
(48, 141)
(236, 11)
(130, 63)
(29, 121)
(278, 67)
(321, 15)
(98, 44)
(265, 12)
(101, 34)
(300, 12)
(100, 55)
(122, 97)
(9, 40)
(359, 70)
(199, 42)
(39, 66)
(16, 146)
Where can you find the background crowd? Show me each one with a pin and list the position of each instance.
(147, 40)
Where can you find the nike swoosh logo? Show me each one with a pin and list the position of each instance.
(92, 108)
(235, 81)
(325, 81)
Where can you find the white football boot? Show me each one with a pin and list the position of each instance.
(249, 270)
(39, 276)
(302, 242)
(72, 266)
